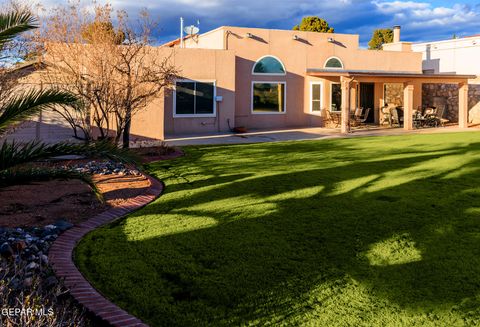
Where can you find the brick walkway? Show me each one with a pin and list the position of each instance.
(61, 258)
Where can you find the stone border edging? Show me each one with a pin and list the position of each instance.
(61, 258)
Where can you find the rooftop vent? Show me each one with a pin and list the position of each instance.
(396, 33)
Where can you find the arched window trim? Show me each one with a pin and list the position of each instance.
(269, 74)
(333, 57)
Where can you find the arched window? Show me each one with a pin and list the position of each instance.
(333, 62)
(269, 65)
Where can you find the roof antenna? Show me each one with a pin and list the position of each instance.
(181, 32)
(192, 29)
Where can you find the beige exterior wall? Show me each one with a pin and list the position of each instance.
(210, 40)
(210, 65)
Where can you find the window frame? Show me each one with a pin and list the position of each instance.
(333, 57)
(331, 96)
(269, 74)
(272, 112)
(322, 92)
(212, 115)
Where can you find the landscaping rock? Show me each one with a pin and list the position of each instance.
(6, 250)
(19, 246)
(104, 168)
(50, 281)
(32, 266)
(63, 225)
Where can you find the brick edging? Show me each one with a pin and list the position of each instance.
(61, 258)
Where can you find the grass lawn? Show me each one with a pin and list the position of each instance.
(381, 231)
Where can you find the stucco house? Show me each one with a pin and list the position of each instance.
(276, 79)
(273, 79)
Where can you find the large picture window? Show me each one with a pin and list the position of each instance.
(336, 97)
(193, 98)
(268, 97)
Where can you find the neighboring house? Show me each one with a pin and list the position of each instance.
(453, 56)
(48, 126)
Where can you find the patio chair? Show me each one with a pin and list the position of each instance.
(386, 116)
(440, 112)
(330, 118)
(430, 116)
(356, 116)
(395, 117)
(362, 119)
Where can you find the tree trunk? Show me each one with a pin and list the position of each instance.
(126, 130)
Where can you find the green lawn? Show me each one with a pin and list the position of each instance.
(348, 232)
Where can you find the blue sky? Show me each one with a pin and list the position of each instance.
(420, 20)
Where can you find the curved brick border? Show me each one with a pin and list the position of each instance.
(61, 258)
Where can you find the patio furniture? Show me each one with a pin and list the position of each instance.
(356, 116)
(418, 119)
(330, 117)
(361, 120)
(430, 115)
(386, 116)
(396, 117)
(442, 121)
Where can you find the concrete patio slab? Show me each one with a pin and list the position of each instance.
(299, 134)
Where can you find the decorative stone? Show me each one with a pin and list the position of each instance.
(19, 246)
(32, 266)
(63, 225)
(27, 282)
(6, 250)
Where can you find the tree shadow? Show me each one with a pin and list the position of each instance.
(302, 241)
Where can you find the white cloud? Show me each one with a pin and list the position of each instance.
(420, 20)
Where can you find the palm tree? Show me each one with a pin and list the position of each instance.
(22, 105)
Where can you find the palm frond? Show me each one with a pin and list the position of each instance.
(14, 23)
(13, 154)
(25, 176)
(24, 105)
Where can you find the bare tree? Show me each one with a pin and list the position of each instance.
(113, 69)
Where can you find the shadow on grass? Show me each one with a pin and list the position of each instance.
(334, 232)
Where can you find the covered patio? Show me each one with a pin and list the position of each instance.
(354, 92)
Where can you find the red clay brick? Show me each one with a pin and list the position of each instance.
(60, 256)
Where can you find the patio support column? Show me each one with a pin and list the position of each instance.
(345, 121)
(408, 89)
(463, 105)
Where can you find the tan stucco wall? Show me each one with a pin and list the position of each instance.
(198, 65)
(210, 40)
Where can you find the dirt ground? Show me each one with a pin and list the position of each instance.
(42, 203)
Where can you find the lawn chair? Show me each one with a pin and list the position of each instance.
(362, 120)
(442, 121)
(386, 116)
(395, 117)
(330, 118)
(357, 115)
(430, 116)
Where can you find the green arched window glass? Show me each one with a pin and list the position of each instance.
(269, 65)
(333, 63)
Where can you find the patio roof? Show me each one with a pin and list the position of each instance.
(382, 73)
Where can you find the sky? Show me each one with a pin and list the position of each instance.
(420, 20)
